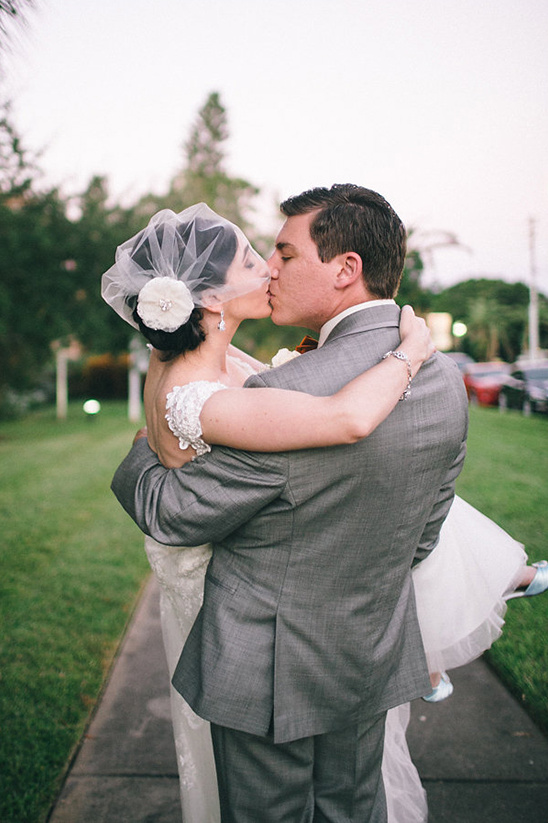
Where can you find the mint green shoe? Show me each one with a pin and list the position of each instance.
(538, 584)
(442, 691)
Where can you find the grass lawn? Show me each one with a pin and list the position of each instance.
(72, 566)
(506, 477)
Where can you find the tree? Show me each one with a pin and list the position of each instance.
(50, 267)
(496, 315)
(34, 285)
(33, 235)
(18, 171)
(99, 229)
(420, 251)
(411, 290)
(12, 11)
(204, 177)
(487, 330)
(203, 150)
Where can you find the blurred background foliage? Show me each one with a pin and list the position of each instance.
(54, 249)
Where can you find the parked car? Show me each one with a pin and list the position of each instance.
(526, 388)
(483, 381)
(461, 359)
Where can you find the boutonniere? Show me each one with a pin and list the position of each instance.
(283, 356)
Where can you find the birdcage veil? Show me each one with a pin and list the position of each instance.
(177, 262)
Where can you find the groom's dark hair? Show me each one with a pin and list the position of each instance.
(352, 218)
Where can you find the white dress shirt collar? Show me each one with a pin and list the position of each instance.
(328, 327)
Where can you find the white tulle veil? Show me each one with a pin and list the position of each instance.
(195, 247)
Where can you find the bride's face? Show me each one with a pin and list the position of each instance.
(248, 271)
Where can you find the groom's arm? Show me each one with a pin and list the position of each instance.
(203, 501)
(431, 533)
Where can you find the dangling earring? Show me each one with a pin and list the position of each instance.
(221, 325)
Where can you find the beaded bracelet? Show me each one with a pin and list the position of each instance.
(399, 355)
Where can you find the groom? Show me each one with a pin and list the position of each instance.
(309, 633)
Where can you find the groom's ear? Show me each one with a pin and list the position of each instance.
(350, 270)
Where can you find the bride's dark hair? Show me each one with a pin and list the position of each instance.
(191, 334)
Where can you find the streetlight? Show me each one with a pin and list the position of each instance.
(459, 328)
(91, 408)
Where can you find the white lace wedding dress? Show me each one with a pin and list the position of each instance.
(180, 571)
(459, 591)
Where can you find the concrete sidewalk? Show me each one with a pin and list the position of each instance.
(481, 759)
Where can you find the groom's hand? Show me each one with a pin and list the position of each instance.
(141, 433)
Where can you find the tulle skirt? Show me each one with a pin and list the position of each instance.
(460, 587)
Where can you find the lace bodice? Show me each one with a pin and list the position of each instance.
(183, 407)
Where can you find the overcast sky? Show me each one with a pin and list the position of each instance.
(440, 105)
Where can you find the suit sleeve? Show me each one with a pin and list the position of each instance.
(202, 502)
(431, 533)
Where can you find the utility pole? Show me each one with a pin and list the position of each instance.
(533, 294)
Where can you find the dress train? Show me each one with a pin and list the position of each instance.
(180, 573)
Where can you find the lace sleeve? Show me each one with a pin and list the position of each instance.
(183, 407)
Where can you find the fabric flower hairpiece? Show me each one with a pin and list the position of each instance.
(164, 304)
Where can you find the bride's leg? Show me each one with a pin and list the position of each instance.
(442, 690)
(527, 577)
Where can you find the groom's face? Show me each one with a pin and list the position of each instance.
(301, 286)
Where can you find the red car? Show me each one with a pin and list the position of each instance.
(483, 381)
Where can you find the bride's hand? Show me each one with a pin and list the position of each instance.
(416, 340)
(141, 433)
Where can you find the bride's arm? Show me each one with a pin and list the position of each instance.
(271, 419)
(279, 420)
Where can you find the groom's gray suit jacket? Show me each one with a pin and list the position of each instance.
(309, 619)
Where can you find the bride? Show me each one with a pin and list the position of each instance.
(187, 281)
